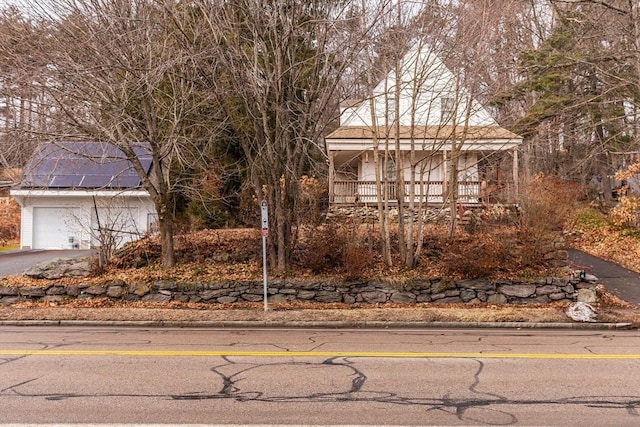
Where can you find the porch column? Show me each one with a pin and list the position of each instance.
(331, 176)
(516, 189)
(445, 175)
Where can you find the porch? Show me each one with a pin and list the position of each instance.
(482, 178)
(353, 192)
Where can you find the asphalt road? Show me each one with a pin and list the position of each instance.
(319, 377)
(17, 262)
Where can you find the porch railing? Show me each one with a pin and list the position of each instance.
(351, 192)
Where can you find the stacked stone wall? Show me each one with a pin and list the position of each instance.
(433, 290)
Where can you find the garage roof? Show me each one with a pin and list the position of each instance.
(83, 165)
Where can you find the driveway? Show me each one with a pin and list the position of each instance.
(17, 262)
(617, 279)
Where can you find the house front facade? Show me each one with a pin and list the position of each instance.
(421, 128)
(81, 195)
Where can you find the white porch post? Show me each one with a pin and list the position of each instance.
(516, 187)
(445, 176)
(331, 176)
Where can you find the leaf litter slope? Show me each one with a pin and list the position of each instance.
(231, 254)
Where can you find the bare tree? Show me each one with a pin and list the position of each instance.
(22, 74)
(415, 47)
(119, 73)
(282, 61)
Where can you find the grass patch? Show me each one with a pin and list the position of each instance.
(9, 247)
(591, 219)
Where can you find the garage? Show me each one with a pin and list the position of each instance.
(68, 186)
(53, 227)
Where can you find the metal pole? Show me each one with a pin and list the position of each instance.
(264, 218)
(264, 270)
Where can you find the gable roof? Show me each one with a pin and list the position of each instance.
(432, 104)
(83, 165)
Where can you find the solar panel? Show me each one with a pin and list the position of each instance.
(84, 165)
(93, 181)
(125, 182)
(34, 181)
(65, 181)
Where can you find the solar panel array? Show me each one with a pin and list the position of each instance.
(84, 165)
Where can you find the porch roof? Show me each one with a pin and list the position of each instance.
(424, 138)
(425, 132)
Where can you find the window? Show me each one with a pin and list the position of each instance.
(391, 109)
(391, 169)
(447, 106)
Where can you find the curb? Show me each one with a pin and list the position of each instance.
(316, 325)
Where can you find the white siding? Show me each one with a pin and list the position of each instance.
(430, 169)
(127, 215)
(425, 82)
(125, 223)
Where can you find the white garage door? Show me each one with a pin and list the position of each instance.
(52, 227)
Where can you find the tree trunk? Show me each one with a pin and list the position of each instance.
(165, 225)
(381, 195)
(399, 158)
(603, 171)
(453, 187)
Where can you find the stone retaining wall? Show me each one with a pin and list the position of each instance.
(369, 213)
(435, 290)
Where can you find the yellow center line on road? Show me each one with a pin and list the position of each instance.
(372, 354)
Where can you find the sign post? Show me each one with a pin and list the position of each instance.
(264, 215)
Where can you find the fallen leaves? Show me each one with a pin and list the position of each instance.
(236, 246)
(358, 314)
(596, 236)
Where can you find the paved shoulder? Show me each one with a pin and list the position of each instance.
(623, 282)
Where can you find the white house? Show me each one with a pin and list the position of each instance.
(419, 118)
(72, 193)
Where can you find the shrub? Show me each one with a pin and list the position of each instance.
(336, 246)
(358, 259)
(312, 196)
(478, 256)
(547, 206)
(207, 215)
(547, 203)
(9, 220)
(627, 212)
(322, 248)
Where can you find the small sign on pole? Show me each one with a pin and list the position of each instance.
(264, 219)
